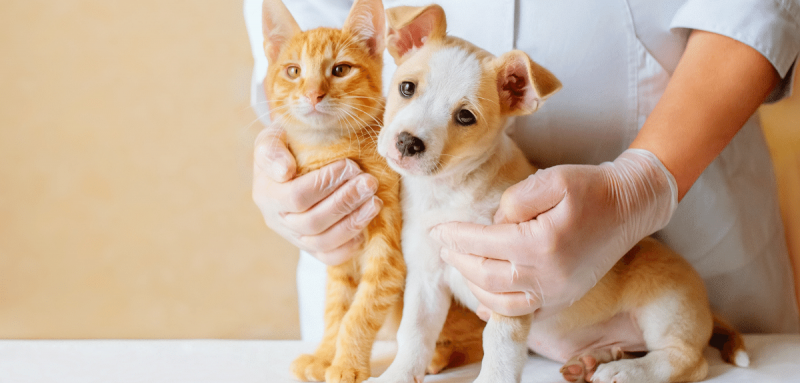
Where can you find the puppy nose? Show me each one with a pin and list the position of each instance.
(408, 145)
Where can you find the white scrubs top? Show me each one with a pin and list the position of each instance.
(614, 59)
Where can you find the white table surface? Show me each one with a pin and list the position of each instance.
(774, 358)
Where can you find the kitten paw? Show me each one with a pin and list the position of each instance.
(309, 368)
(346, 374)
(441, 359)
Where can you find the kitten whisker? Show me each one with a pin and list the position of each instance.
(355, 132)
(377, 122)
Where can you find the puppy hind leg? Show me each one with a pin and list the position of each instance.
(672, 364)
(340, 290)
(505, 349)
(676, 332)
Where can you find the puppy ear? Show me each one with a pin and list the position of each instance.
(412, 27)
(523, 84)
(367, 23)
(278, 26)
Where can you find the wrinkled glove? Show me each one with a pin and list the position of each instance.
(322, 212)
(559, 231)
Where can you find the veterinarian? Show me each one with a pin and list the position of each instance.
(658, 107)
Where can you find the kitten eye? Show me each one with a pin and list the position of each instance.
(465, 118)
(341, 70)
(293, 72)
(407, 89)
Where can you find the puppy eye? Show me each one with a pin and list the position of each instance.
(407, 89)
(341, 70)
(293, 72)
(465, 118)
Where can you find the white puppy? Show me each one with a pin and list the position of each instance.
(444, 133)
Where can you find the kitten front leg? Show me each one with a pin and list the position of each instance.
(504, 349)
(425, 307)
(340, 291)
(380, 288)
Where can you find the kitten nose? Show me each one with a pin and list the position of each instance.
(408, 145)
(315, 97)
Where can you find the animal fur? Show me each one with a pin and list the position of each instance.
(458, 171)
(328, 117)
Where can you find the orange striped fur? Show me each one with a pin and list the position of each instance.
(361, 292)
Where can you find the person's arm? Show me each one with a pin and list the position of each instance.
(718, 84)
(559, 231)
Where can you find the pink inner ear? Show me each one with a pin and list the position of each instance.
(413, 35)
(274, 45)
(515, 86)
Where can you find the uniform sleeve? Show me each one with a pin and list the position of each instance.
(252, 20)
(772, 27)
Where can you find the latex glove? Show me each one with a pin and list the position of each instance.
(322, 212)
(559, 231)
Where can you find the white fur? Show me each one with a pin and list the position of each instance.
(363, 27)
(453, 78)
(741, 358)
(503, 358)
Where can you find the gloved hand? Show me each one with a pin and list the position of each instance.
(559, 231)
(322, 212)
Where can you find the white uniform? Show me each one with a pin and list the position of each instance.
(615, 59)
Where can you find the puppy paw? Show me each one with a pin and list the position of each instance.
(623, 371)
(574, 371)
(309, 368)
(581, 368)
(346, 374)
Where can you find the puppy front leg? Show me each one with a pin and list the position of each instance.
(504, 349)
(425, 307)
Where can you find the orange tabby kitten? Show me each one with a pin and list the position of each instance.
(324, 87)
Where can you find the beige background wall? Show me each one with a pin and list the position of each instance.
(125, 209)
(125, 140)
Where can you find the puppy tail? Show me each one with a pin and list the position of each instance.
(729, 343)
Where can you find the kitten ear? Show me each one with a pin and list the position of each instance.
(366, 21)
(522, 84)
(412, 27)
(278, 26)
